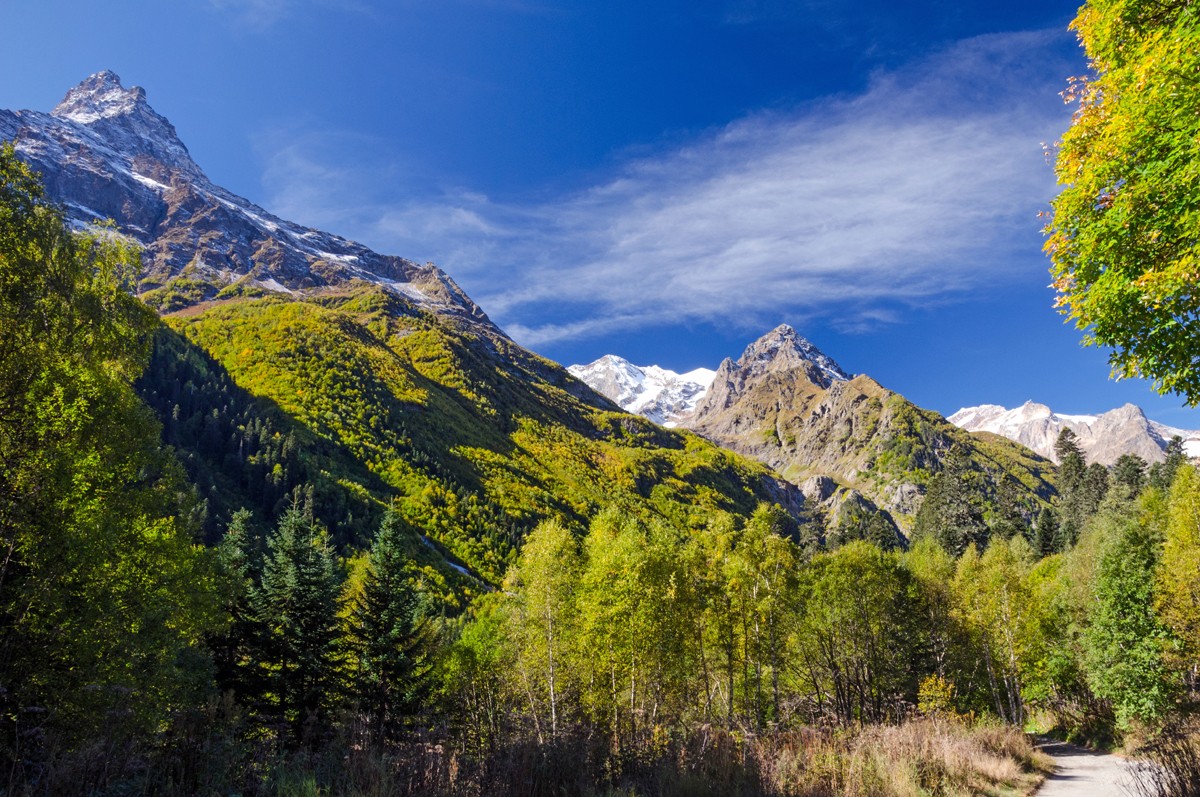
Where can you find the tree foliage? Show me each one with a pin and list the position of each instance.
(390, 635)
(103, 589)
(1125, 641)
(1123, 239)
(296, 608)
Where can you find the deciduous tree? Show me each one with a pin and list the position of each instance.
(1124, 239)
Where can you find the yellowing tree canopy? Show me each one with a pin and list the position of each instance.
(1125, 235)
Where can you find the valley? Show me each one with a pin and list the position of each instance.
(285, 515)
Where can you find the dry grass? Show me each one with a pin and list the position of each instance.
(919, 758)
(1170, 765)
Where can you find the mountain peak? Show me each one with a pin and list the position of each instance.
(780, 356)
(124, 121)
(99, 96)
(105, 153)
(784, 349)
(1103, 437)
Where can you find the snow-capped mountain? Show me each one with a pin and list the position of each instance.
(1103, 438)
(661, 395)
(104, 153)
(668, 398)
(851, 445)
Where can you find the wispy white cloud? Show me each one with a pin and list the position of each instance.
(260, 15)
(923, 187)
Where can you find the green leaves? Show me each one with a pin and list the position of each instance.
(103, 591)
(1125, 641)
(1123, 240)
(296, 606)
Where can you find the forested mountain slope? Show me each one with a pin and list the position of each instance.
(786, 404)
(293, 358)
(371, 401)
(105, 154)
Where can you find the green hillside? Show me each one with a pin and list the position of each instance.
(872, 441)
(370, 401)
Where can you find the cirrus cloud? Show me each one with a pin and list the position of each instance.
(923, 187)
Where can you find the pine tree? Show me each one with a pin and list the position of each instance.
(881, 530)
(1163, 473)
(1073, 501)
(392, 638)
(1009, 519)
(951, 512)
(1067, 445)
(297, 606)
(1096, 481)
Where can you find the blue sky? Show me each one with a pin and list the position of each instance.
(660, 180)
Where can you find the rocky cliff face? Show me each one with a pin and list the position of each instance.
(788, 405)
(780, 357)
(1103, 438)
(104, 153)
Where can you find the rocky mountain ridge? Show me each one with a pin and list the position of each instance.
(1103, 437)
(105, 153)
(304, 361)
(856, 449)
(780, 351)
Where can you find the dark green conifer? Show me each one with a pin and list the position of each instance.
(1130, 470)
(1045, 534)
(1009, 518)
(297, 608)
(1073, 496)
(952, 512)
(391, 636)
(1163, 473)
(1094, 489)
(239, 566)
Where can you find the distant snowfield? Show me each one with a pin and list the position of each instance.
(660, 394)
(667, 398)
(1103, 437)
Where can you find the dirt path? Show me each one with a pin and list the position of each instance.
(1083, 773)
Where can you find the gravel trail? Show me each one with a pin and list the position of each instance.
(1084, 773)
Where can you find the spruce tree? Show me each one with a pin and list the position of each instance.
(1072, 493)
(1009, 516)
(1094, 489)
(297, 609)
(235, 648)
(951, 512)
(1163, 473)
(1045, 534)
(391, 635)
(1130, 470)
(881, 530)
(1067, 445)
